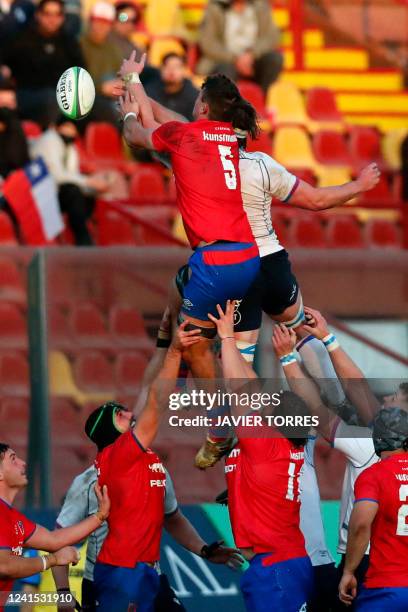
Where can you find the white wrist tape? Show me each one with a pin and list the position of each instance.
(132, 78)
(330, 342)
(44, 562)
(131, 114)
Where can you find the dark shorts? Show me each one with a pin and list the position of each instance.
(275, 288)
(325, 593)
(219, 272)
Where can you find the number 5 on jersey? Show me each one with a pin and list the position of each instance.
(230, 175)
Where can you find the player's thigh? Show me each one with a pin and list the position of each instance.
(280, 289)
(213, 282)
(248, 315)
(381, 600)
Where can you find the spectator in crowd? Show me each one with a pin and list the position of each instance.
(103, 59)
(239, 38)
(15, 15)
(128, 16)
(37, 58)
(13, 143)
(174, 90)
(75, 190)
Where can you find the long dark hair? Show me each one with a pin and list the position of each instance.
(226, 104)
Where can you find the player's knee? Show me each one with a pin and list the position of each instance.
(298, 319)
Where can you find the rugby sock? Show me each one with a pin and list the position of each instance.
(318, 364)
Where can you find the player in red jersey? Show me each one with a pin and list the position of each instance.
(205, 157)
(380, 517)
(18, 532)
(125, 573)
(263, 495)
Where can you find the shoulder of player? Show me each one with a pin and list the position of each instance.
(85, 478)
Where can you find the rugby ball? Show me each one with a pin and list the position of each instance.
(75, 93)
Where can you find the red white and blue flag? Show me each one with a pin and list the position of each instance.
(32, 195)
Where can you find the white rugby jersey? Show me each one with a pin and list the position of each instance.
(81, 502)
(261, 179)
(357, 445)
(311, 521)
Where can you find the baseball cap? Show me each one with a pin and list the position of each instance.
(103, 11)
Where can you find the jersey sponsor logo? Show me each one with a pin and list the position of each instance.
(294, 288)
(234, 453)
(237, 314)
(230, 468)
(17, 551)
(219, 137)
(157, 483)
(157, 467)
(19, 528)
(297, 456)
(187, 303)
(303, 608)
(402, 477)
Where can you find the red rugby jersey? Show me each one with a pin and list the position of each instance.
(238, 514)
(269, 470)
(136, 483)
(386, 483)
(15, 529)
(205, 160)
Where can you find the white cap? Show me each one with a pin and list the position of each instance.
(103, 10)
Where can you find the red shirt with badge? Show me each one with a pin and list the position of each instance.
(205, 161)
(386, 483)
(15, 529)
(238, 514)
(136, 482)
(268, 472)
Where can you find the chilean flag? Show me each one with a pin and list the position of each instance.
(32, 195)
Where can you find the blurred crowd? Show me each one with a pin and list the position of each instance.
(39, 41)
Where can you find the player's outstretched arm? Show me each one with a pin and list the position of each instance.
(359, 533)
(135, 134)
(283, 341)
(13, 566)
(129, 72)
(353, 381)
(322, 198)
(51, 541)
(185, 534)
(233, 364)
(157, 402)
(164, 115)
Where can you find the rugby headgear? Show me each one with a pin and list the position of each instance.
(100, 425)
(390, 430)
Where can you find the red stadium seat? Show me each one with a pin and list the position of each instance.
(307, 232)
(254, 94)
(14, 375)
(321, 105)
(305, 175)
(343, 231)
(129, 369)
(382, 233)
(147, 186)
(88, 327)
(7, 234)
(365, 147)
(127, 328)
(281, 228)
(113, 229)
(94, 373)
(330, 148)
(11, 283)
(263, 143)
(14, 421)
(379, 197)
(66, 423)
(13, 327)
(103, 145)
